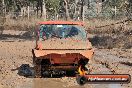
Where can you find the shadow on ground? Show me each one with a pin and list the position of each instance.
(27, 35)
(110, 42)
(126, 63)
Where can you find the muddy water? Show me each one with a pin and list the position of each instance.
(15, 53)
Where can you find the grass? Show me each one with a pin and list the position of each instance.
(122, 36)
(25, 24)
(20, 24)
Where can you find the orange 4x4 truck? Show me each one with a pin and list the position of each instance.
(62, 47)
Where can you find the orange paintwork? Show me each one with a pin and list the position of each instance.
(63, 56)
(62, 22)
(58, 56)
(86, 53)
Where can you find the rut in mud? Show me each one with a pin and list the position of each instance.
(113, 55)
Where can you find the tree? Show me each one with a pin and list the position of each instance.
(82, 9)
(66, 9)
(52, 6)
(44, 10)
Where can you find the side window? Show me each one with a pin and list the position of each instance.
(45, 32)
(42, 32)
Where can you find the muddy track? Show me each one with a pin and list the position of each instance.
(10, 61)
(15, 51)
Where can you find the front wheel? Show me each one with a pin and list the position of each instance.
(37, 68)
(81, 80)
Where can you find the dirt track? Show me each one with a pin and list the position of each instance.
(15, 50)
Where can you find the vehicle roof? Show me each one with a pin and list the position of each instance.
(62, 22)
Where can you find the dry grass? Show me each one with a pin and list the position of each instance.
(99, 22)
(111, 36)
(20, 24)
(97, 26)
(24, 23)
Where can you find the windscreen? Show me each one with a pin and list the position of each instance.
(61, 31)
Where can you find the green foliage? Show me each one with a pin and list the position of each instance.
(109, 6)
(117, 3)
(52, 5)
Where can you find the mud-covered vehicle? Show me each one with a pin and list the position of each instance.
(62, 47)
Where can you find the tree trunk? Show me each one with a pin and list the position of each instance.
(3, 11)
(37, 8)
(98, 8)
(67, 12)
(3, 4)
(28, 12)
(44, 10)
(88, 4)
(82, 9)
(41, 8)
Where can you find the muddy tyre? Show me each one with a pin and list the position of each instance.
(81, 80)
(37, 68)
